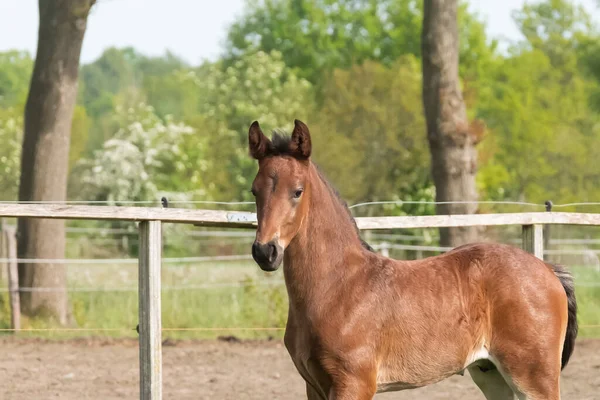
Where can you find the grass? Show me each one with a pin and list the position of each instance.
(209, 303)
(587, 292)
(247, 306)
(250, 306)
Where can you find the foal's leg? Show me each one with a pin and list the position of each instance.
(533, 378)
(491, 383)
(313, 394)
(536, 383)
(534, 373)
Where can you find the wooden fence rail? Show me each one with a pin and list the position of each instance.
(150, 253)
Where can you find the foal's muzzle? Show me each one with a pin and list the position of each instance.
(268, 256)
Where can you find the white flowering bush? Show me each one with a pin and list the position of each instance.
(149, 156)
(138, 163)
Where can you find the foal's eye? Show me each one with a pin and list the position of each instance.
(298, 193)
(253, 192)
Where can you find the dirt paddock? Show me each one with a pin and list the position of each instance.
(108, 369)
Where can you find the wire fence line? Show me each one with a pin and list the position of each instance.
(418, 202)
(205, 286)
(236, 285)
(445, 249)
(206, 329)
(592, 261)
(193, 233)
(362, 204)
(247, 257)
(92, 261)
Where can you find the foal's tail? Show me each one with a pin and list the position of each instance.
(566, 279)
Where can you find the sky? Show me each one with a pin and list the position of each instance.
(192, 29)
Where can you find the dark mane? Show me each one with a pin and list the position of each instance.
(343, 204)
(280, 146)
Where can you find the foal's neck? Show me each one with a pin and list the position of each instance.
(318, 255)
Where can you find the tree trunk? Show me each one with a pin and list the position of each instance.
(44, 162)
(451, 139)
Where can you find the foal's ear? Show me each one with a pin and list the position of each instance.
(258, 143)
(300, 144)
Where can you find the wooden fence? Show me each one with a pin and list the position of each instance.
(150, 252)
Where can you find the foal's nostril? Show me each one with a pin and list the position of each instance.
(272, 252)
(268, 255)
(264, 252)
(255, 247)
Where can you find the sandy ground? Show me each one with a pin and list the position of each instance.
(108, 369)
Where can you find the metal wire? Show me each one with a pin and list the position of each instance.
(400, 202)
(93, 261)
(74, 202)
(576, 204)
(128, 330)
(135, 288)
(227, 203)
(593, 326)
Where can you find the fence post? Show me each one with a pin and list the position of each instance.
(10, 236)
(3, 266)
(533, 240)
(548, 204)
(384, 248)
(150, 253)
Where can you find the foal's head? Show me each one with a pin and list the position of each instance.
(281, 188)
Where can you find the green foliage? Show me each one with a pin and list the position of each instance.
(251, 305)
(258, 86)
(80, 128)
(219, 101)
(541, 99)
(122, 78)
(11, 136)
(104, 78)
(316, 36)
(543, 133)
(15, 72)
(369, 135)
(554, 26)
(173, 94)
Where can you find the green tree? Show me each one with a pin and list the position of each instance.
(319, 35)
(368, 137)
(452, 137)
(15, 72)
(11, 137)
(102, 79)
(118, 70)
(543, 131)
(80, 127)
(258, 86)
(44, 158)
(172, 93)
(124, 78)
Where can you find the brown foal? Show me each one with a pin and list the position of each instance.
(360, 323)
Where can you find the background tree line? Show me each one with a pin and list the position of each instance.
(351, 70)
